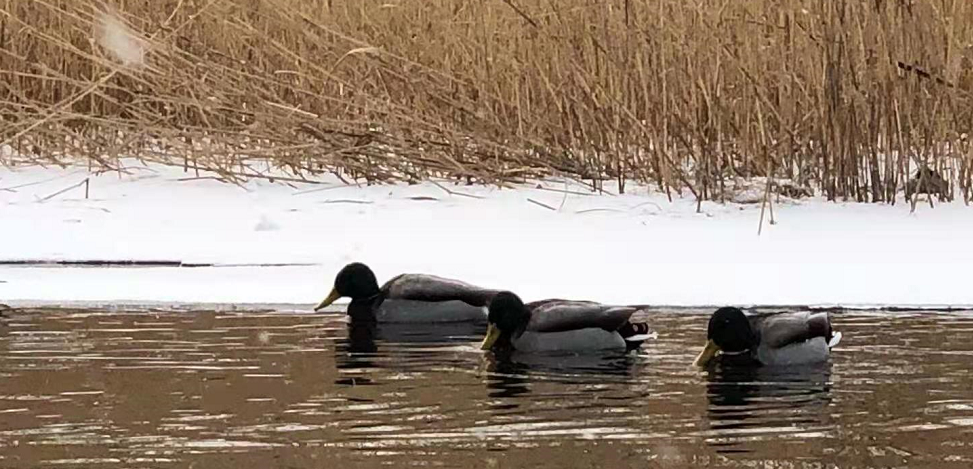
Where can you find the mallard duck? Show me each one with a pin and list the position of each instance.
(785, 338)
(560, 325)
(407, 297)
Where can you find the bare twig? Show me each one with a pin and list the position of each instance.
(73, 186)
(542, 204)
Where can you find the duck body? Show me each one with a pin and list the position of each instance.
(418, 298)
(793, 338)
(399, 311)
(773, 339)
(433, 289)
(557, 325)
(580, 340)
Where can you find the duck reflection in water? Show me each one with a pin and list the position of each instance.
(355, 354)
(745, 401)
(370, 347)
(509, 373)
(506, 379)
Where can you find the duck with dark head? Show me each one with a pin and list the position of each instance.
(560, 325)
(407, 298)
(782, 338)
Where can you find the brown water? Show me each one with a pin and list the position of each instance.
(204, 389)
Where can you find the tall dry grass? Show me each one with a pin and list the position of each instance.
(846, 96)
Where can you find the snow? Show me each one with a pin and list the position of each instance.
(632, 248)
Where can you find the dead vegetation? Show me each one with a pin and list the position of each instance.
(847, 97)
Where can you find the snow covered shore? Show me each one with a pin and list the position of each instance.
(631, 248)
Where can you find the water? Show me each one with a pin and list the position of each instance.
(204, 389)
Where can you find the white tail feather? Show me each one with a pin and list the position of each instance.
(834, 340)
(642, 337)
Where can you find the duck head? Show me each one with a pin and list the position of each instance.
(355, 281)
(728, 331)
(507, 319)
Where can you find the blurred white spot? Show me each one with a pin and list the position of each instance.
(835, 339)
(266, 224)
(264, 337)
(120, 40)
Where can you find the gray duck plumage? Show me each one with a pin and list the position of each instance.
(419, 298)
(780, 338)
(560, 325)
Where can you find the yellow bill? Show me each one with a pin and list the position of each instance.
(707, 354)
(492, 334)
(327, 301)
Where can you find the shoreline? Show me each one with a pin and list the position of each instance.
(277, 243)
(338, 308)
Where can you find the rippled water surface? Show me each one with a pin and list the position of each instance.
(205, 389)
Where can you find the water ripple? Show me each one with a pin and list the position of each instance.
(181, 389)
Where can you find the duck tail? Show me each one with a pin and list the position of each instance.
(819, 325)
(834, 340)
(636, 333)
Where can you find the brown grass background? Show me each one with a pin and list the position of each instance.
(846, 96)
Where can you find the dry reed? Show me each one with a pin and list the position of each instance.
(848, 97)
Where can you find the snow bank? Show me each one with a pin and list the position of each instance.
(632, 248)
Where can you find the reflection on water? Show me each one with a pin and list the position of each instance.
(748, 403)
(205, 389)
(510, 374)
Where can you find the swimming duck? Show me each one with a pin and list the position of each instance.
(784, 338)
(560, 325)
(407, 297)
